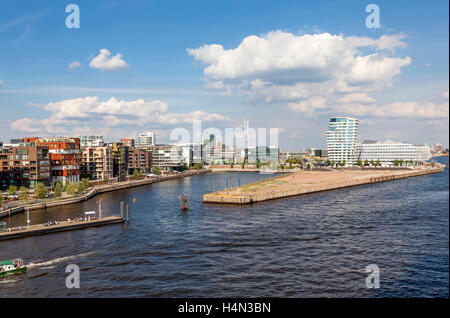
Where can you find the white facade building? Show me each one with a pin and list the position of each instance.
(146, 139)
(91, 141)
(341, 140)
(389, 151)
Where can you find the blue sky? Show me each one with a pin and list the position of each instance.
(407, 100)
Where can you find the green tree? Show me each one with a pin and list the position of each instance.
(366, 163)
(378, 163)
(359, 163)
(343, 163)
(40, 190)
(1, 198)
(23, 194)
(12, 190)
(328, 162)
(156, 170)
(308, 166)
(198, 166)
(58, 189)
(83, 185)
(135, 174)
(372, 162)
(71, 188)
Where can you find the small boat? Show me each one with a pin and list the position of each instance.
(15, 266)
(184, 203)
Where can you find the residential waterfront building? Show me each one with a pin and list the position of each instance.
(91, 141)
(65, 157)
(24, 165)
(139, 159)
(120, 160)
(98, 162)
(146, 139)
(127, 142)
(341, 140)
(168, 157)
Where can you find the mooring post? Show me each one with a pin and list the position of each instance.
(121, 209)
(128, 214)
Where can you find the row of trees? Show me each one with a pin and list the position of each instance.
(336, 164)
(402, 163)
(40, 190)
(138, 174)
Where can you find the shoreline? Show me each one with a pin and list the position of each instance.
(98, 190)
(306, 182)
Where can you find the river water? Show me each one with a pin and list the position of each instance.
(315, 245)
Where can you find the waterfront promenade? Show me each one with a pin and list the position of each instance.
(93, 191)
(305, 182)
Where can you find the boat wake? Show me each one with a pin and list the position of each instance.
(8, 280)
(48, 264)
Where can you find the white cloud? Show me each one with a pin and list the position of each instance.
(445, 95)
(390, 42)
(105, 62)
(70, 114)
(1, 83)
(74, 65)
(312, 73)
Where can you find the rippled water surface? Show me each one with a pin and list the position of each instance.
(315, 245)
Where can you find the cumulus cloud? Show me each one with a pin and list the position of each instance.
(308, 72)
(363, 105)
(390, 42)
(74, 65)
(107, 62)
(70, 114)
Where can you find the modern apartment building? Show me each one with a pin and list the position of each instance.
(389, 151)
(120, 160)
(24, 165)
(65, 157)
(91, 141)
(127, 142)
(140, 159)
(168, 157)
(341, 140)
(146, 139)
(98, 162)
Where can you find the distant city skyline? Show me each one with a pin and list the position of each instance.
(288, 65)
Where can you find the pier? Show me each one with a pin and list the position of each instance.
(67, 225)
(305, 182)
(40, 229)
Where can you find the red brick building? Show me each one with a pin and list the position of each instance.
(65, 156)
(128, 142)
